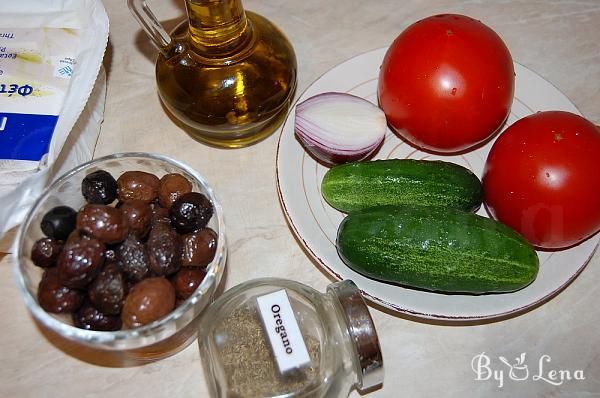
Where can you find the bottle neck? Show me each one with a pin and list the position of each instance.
(218, 28)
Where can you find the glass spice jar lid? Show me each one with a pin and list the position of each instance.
(362, 330)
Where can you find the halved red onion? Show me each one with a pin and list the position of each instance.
(339, 127)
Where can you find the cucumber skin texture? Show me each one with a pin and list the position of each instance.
(445, 250)
(356, 186)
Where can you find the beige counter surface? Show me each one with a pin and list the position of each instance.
(560, 40)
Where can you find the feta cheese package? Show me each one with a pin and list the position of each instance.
(52, 90)
(36, 65)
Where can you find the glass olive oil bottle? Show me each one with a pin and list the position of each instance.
(226, 75)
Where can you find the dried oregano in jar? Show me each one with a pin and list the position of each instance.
(248, 359)
(272, 337)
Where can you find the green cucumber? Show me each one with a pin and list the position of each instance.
(360, 185)
(432, 248)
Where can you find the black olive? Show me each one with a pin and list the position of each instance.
(107, 291)
(132, 258)
(99, 187)
(110, 256)
(190, 212)
(59, 222)
(164, 250)
(90, 318)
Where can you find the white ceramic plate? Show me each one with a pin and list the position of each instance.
(315, 223)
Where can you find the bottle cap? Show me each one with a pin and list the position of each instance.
(362, 332)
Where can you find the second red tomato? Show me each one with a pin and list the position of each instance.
(446, 83)
(541, 179)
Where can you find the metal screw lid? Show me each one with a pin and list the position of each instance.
(362, 332)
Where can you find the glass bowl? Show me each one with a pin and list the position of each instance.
(150, 342)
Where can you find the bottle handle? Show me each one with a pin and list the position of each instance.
(150, 24)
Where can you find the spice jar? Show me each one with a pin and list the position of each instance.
(273, 337)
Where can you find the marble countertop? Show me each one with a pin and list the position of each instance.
(560, 40)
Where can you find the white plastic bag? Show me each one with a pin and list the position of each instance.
(76, 131)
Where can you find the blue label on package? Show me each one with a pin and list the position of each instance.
(24, 136)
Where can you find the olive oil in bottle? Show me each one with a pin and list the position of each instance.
(226, 75)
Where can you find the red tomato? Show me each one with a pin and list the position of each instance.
(541, 178)
(446, 83)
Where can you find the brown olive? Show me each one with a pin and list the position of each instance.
(80, 261)
(139, 216)
(45, 251)
(164, 250)
(103, 222)
(190, 212)
(55, 297)
(148, 300)
(132, 258)
(160, 215)
(107, 291)
(172, 187)
(89, 317)
(198, 248)
(187, 280)
(137, 185)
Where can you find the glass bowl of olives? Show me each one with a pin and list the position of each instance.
(118, 258)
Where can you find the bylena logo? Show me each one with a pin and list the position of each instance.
(519, 371)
